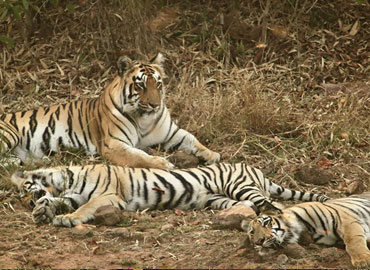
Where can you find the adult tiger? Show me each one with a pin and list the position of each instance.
(85, 188)
(129, 115)
(345, 219)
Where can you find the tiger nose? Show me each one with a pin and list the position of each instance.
(153, 105)
(260, 241)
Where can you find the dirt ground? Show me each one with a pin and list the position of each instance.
(154, 239)
(281, 85)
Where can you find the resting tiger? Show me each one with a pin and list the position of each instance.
(84, 189)
(129, 116)
(345, 219)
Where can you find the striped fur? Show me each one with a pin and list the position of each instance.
(129, 115)
(341, 220)
(86, 188)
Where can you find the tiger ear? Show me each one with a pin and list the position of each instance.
(123, 64)
(265, 220)
(158, 59)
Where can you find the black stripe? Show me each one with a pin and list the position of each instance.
(145, 185)
(309, 227)
(189, 190)
(169, 187)
(95, 187)
(70, 123)
(13, 121)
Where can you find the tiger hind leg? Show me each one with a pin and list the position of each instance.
(86, 212)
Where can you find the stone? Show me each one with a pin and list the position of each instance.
(120, 232)
(183, 160)
(294, 251)
(312, 176)
(233, 217)
(108, 215)
(167, 227)
(82, 230)
(282, 259)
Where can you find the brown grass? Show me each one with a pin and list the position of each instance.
(268, 106)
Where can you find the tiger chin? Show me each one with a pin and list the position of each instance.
(68, 196)
(128, 116)
(344, 220)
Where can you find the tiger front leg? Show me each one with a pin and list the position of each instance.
(185, 141)
(86, 212)
(126, 156)
(354, 238)
(47, 207)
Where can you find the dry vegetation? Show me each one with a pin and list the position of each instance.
(281, 85)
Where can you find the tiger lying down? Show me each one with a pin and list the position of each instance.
(84, 189)
(345, 219)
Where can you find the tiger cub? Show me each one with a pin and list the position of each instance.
(345, 220)
(128, 116)
(85, 188)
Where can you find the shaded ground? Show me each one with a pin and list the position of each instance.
(281, 86)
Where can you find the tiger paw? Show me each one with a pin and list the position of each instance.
(361, 260)
(44, 211)
(162, 163)
(210, 157)
(67, 220)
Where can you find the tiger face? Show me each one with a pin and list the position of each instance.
(145, 84)
(38, 183)
(264, 233)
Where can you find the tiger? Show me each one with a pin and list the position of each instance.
(127, 117)
(343, 220)
(83, 189)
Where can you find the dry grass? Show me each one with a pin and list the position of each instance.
(267, 105)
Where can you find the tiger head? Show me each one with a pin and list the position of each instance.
(39, 183)
(267, 232)
(142, 83)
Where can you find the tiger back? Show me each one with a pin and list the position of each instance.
(128, 116)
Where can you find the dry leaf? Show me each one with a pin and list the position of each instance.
(355, 28)
(179, 212)
(344, 135)
(261, 45)
(324, 163)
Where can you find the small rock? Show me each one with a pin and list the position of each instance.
(120, 232)
(282, 259)
(82, 230)
(233, 216)
(167, 227)
(107, 215)
(313, 176)
(294, 251)
(305, 239)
